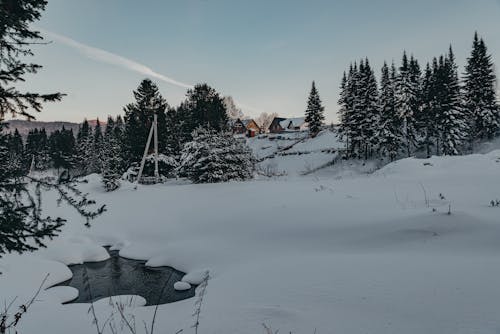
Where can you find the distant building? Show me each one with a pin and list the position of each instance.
(246, 127)
(279, 124)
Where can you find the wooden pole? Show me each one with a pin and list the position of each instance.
(155, 124)
(145, 153)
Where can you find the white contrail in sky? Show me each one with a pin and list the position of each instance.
(111, 58)
(117, 60)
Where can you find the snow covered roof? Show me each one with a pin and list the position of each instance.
(292, 122)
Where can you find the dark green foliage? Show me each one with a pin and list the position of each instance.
(84, 149)
(479, 92)
(407, 100)
(62, 149)
(359, 110)
(139, 118)
(16, 36)
(22, 224)
(430, 112)
(389, 128)
(450, 119)
(111, 155)
(37, 150)
(314, 112)
(204, 107)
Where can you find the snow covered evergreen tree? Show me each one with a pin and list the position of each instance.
(62, 149)
(95, 161)
(452, 122)
(368, 116)
(344, 110)
(480, 92)
(389, 134)
(214, 156)
(111, 156)
(407, 92)
(84, 148)
(314, 112)
(351, 111)
(427, 127)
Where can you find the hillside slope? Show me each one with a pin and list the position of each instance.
(377, 253)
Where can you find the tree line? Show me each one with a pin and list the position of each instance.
(119, 145)
(412, 110)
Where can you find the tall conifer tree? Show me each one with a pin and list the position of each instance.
(314, 112)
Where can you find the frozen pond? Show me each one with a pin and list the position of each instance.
(121, 276)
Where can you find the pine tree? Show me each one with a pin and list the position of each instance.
(389, 126)
(84, 148)
(351, 111)
(95, 161)
(314, 112)
(112, 164)
(368, 109)
(426, 119)
(62, 149)
(452, 120)
(345, 110)
(16, 150)
(204, 107)
(139, 118)
(480, 94)
(22, 225)
(214, 156)
(407, 100)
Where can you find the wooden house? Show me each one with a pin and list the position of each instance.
(280, 125)
(247, 127)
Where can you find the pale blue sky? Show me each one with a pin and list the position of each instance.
(263, 53)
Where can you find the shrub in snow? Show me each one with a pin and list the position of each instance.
(111, 164)
(216, 157)
(167, 167)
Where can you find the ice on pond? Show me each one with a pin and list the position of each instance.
(120, 276)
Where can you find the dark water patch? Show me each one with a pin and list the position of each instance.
(121, 276)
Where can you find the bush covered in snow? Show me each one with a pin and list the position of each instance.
(216, 157)
(166, 167)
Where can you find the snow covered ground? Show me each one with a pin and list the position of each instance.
(293, 154)
(329, 252)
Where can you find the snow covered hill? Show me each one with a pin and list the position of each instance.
(292, 154)
(373, 253)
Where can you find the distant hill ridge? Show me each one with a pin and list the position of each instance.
(24, 127)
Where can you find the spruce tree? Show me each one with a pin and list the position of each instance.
(345, 111)
(213, 156)
(451, 120)
(111, 156)
(139, 118)
(84, 148)
(368, 112)
(96, 149)
(63, 149)
(22, 224)
(204, 107)
(427, 127)
(389, 126)
(407, 100)
(314, 112)
(479, 92)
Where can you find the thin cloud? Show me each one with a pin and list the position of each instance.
(113, 59)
